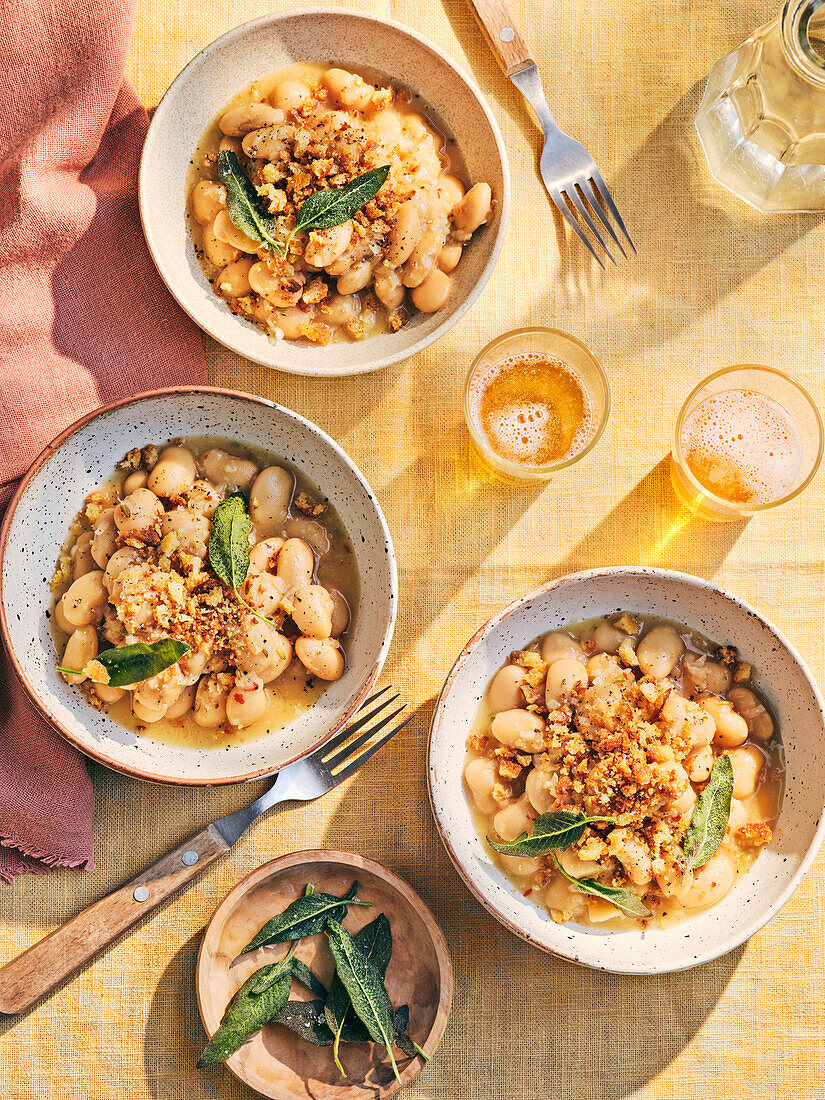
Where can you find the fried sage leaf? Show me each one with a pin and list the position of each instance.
(336, 205)
(375, 940)
(552, 832)
(710, 815)
(305, 976)
(306, 1018)
(305, 916)
(402, 1037)
(243, 203)
(130, 664)
(261, 997)
(365, 985)
(625, 900)
(229, 541)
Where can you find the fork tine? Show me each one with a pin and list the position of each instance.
(347, 732)
(364, 757)
(377, 695)
(614, 210)
(588, 193)
(573, 196)
(567, 214)
(348, 750)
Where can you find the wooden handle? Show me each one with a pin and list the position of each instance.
(501, 31)
(63, 952)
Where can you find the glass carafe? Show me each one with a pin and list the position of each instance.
(762, 117)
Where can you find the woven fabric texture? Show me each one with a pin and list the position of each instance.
(714, 284)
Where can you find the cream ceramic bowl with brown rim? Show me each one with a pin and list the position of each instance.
(783, 679)
(80, 460)
(353, 40)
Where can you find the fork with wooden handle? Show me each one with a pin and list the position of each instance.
(40, 969)
(568, 171)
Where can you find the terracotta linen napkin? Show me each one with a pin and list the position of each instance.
(84, 320)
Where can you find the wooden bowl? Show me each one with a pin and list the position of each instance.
(276, 1062)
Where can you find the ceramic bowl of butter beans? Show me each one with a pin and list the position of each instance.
(181, 596)
(627, 769)
(324, 217)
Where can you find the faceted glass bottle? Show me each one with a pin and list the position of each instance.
(762, 117)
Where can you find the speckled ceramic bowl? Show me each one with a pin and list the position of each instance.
(78, 461)
(253, 50)
(794, 698)
(276, 1062)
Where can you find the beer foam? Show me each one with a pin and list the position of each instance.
(743, 446)
(518, 404)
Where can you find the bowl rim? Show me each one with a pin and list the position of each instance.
(355, 860)
(98, 754)
(724, 945)
(206, 324)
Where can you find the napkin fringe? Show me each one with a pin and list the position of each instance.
(38, 861)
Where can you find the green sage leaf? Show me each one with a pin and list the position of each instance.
(305, 976)
(625, 900)
(305, 916)
(365, 985)
(336, 205)
(306, 1018)
(375, 940)
(249, 1011)
(229, 541)
(130, 664)
(710, 815)
(243, 203)
(552, 832)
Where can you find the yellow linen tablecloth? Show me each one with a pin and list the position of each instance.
(713, 284)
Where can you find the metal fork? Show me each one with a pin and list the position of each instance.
(40, 969)
(567, 169)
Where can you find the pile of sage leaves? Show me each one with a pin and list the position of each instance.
(355, 1009)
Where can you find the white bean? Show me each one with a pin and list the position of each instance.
(289, 94)
(265, 653)
(340, 613)
(85, 599)
(247, 702)
(218, 252)
(312, 608)
(192, 530)
(122, 559)
(323, 659)
(80, 649)
(233, 281)
(208, 199)
(326, 245)
(481, 777)
(513, 820)
(296, 563)
(430, 296)
(264, 592)
(184, 702)
(538, 790)
(104, 538)
(473, 209)
(504, 692)
(225, 230)
(563, 677)
(698, 764)
(264, 555)
(82, 557)
(753, 710)
(252, 116)
(138, 516)
(556, 645)
(748, 764)
(710, 883)
(210, 701)
(227, 471)
(138, 480)
(731, 728)
(269, 500)
(174, 473)
(703, 674)
(520, 729)
(659, 650)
